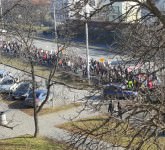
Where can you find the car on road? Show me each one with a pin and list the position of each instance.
(6, 84)
(40, 97)
(21, 91)
(118, 90)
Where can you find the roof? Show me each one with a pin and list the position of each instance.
(41, 91)
(2, 71)
(115, 84)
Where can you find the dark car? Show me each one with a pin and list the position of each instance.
(22, 90)
(117, 90)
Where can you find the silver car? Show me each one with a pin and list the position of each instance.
(4, 73)
(6, 84)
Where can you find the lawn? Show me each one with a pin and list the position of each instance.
(42, 71)
(113, 131)
(18, 104)
(30, 143)
(56, 109)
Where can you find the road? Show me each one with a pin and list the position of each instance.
(79, 50)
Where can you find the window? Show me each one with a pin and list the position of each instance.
(38, 95)
(7, 82)
(10, 81)
(91, 2)
(23, 87)
(1, 75)
(115, 10)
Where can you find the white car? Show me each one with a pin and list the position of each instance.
(6, 84)
(5, 73)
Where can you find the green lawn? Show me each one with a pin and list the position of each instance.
(30, 143)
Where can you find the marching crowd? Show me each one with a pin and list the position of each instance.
(103, 71)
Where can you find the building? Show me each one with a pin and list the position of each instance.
(61, 9)
(40, 2)
(110, 13)
(117, 11)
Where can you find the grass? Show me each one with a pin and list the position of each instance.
(112, 131)
(42, 71)
(45, 111)
(29, 143)
(18, 104)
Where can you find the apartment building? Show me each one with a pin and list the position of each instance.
(72, 9)
(117, 12)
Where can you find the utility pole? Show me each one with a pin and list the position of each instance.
(1, 13)
(87, 49)
(55, 24)
(87, 15)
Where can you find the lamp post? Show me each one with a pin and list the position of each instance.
(1, 12)
(87, 15)
(87, 49)
(55, 23)
(1, 8)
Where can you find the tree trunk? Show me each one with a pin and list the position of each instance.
(35, 115)
(36, 132)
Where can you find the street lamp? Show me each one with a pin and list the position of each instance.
(1, 11)
(86, 11)
(55, 24)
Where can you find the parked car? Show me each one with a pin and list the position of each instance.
(21, 91)
(40, 97)
(6, 84)
(118, 90)
(4, 73)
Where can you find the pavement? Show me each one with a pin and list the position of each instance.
(95, 52)
(24, 124)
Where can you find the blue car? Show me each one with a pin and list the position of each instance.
(40, 97)
(117, 90)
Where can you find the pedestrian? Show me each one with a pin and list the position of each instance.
(110, 107)
(130, 84)
(119, 110)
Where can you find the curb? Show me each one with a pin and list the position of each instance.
(74, 44)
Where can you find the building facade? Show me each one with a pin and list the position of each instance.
(117, 12)
(73, 9)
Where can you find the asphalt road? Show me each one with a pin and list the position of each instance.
(79, 50)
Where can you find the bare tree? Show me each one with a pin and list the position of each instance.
(23, 30)
(141, 42)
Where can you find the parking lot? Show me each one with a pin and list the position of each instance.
(61, 94)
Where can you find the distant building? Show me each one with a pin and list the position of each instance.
(72, 9)
(40, 2)
(61, 9)
(109, 13)
(160, 4)
(117, 11)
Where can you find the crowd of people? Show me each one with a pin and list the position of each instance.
(104, 71)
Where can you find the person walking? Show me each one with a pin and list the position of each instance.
(130, 84)
(119, 110)
(110, 107)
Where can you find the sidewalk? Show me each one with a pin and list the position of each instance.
(24, 125)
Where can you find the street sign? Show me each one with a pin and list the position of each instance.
(102, 60)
